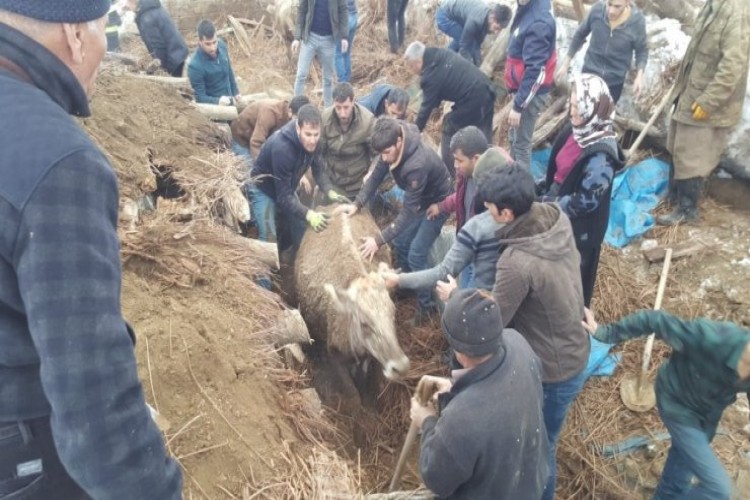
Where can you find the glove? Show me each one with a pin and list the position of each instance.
(336, 197)
(225, 100)
(699, 113)
(317, 220)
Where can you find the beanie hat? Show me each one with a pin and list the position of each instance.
(472, 322)
(490, 160)
(58, 11)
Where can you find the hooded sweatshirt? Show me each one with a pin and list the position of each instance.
(538, 288)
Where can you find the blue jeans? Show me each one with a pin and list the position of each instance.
(344, 59)
(467, 278)
(396, 18)
(324, 48)
(264, 211)
(521, 138)
(557, 399)
(691, 455)
(412, 246)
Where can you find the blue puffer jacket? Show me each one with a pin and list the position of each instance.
(375, 101)
(530, 67)
(212, 78)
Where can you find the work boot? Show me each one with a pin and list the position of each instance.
(686, 211)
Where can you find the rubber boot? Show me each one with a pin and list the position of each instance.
(688, 193)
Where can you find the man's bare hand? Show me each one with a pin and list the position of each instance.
(432, 211)
(514, 118)
(444, 289)
(305, 185)
(391, 279)
(344, 46)
(419, 412)
(368, 248)
(589, 323)
(295, 46)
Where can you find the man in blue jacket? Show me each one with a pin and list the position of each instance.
(210, 70)
(73, 420)
(467, 22)
(529, 72)
(160, 35)
(386, 99)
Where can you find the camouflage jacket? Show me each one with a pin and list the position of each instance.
(714, 70)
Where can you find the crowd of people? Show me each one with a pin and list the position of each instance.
(73, 419)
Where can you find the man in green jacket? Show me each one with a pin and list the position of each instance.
(710, 364)
(708, 96)
(345, 141)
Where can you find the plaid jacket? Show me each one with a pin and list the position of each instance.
(64, 347)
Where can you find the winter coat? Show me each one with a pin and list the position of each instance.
(476, 243)
(472, 16)
(65, 349)
(714, 69)
(446, 76)
(530, 66)
(538, 287)
(258, 121)
(347, 156)
(420, 173)
(160, 35)
(585, 194)
(699, 380)
(211, 78)
(610, 51)
(280, 165)
(374, 102)
(338, 12)
(489, 441)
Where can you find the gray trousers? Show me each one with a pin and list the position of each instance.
(324, 48)
(520, 138)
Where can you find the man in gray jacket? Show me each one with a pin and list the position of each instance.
(467, 22)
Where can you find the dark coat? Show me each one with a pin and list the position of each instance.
(420, 173)
(160, 35)
(375, 100)
(472, 15)
(210, 78)
(281, 163)
(489, 440)
(65, 350)
(337, 11)
(446, 76)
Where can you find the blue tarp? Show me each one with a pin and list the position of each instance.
(601, 362)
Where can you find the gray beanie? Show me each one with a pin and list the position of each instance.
(488, 161)
(472, 322)
(58, 11)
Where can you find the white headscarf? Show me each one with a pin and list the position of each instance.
(597, 110)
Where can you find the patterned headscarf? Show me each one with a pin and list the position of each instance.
(597, 109)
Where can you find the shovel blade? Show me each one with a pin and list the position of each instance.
(637, 397)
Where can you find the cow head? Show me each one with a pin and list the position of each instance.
(370, 316)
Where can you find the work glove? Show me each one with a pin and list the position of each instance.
(699, 113)
(317, 220)
(336, 197)
(225, 100)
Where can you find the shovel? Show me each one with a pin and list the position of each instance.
(635, 391)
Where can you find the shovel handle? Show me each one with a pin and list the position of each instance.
(411, 436)
(657, 305)
(638, 140)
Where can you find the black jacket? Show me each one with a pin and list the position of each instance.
(472, 15)
(281, 163)
(160, 35)
(420, 173)
(446, 76)
(489, 441)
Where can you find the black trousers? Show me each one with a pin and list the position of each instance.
(396, 10)
(30, 468)
(478, 111)
(589, 266)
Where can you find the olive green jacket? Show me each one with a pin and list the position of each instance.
(347, 156)
(714, 70)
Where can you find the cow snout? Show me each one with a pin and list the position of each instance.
(396, 369)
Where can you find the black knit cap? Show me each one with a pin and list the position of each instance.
(58, 11)
(472, 322)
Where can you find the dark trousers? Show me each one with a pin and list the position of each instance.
(589, 266)
(615, 91)
(478, 111)
(289, 231)
(177, 73)
(30, 468)
(396, 10)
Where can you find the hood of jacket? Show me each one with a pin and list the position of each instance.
(540, 232)
(144, 5)
(412, 139)
(289, 133)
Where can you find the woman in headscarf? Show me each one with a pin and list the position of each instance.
(585, 156)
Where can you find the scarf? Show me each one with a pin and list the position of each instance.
(597, 109)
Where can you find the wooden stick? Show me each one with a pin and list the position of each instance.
(411, 437)
(649, 123)
(216, 112)
(182, 429)
(202, 450)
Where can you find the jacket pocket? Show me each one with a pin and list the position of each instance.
(22, 488)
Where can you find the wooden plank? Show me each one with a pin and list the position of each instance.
(683, 249)
(579, 10)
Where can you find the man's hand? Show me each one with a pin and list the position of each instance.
(638, 84)
(444, 289)
(391, 279)
(561, 76)
(589, 323)
(432, 211)
(430, 386)
(318, 221)
(344, 45)
(699, 113)
(514, 118)
(368, 248)
(225, 100)
(419, 412)
(337, 198)
(295, 46)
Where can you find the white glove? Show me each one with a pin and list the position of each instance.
(225, 100)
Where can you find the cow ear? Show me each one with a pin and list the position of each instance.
(340, 298)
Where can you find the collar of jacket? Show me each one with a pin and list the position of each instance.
(539, 219)
(397, 163)
(473, 376)
(32, 62)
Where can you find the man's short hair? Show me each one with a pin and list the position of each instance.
(206, 30)
(502, 14)
(399, 97)
(343, 91)
(297, 102)
(308, 115)
(385, 134)
(511, 187)
(470, 141)
(415, 51)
